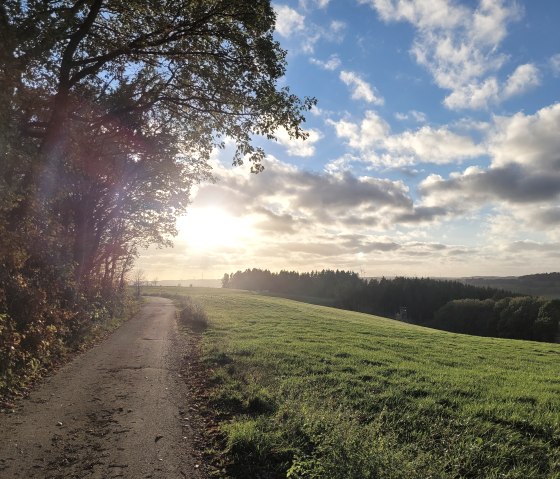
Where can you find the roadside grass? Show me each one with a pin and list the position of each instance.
(305, 391)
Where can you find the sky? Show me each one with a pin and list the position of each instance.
(434, 148)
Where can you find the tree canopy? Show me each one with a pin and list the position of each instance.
(111, 109)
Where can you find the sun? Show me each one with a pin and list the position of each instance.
(212, 228)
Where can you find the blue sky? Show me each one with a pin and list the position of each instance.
(434, 149)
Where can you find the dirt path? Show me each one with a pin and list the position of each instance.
(119, 410)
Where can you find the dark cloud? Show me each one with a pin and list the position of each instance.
(513, 183)
(430, 246)
(525, 168)
(316, 249)
(548, 217)
(458, 252)
(372, 246)
(362, 220)
(324, 198)
(421, 214)
(526, 246)
(347, 191)
(278, 223)
(364, 244)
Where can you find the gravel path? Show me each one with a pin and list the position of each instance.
(118, 411)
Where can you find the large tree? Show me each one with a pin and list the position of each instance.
(109, 111)
(119, 104)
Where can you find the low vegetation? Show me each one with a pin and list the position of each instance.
(192, 314)
(36, 344)
(305, 391)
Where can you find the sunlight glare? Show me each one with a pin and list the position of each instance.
(213, 228)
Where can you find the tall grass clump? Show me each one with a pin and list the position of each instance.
(192, 314)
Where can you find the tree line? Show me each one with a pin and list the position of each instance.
(449, 305)
(523, 317)
(109, 112)
(542, 284)
(326, 284)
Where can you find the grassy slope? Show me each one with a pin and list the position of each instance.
(326, 393)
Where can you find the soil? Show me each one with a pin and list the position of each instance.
(123, 409)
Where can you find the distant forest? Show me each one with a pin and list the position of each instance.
(448, 305)
(543, 284)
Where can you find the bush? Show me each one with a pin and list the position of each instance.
(192, 314)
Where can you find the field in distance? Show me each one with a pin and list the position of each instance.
(308, 391)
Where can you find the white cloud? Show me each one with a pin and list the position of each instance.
(371, 131)
(372, 137)
(531, 141)
(332, 63)
(361, 90)
(469, 124)
(303, 34)
(482, 95)
(299, 147)
(308, 4)
(337, 26)
(424, 14)
(524, 77)
(459, 46)
(415, 115)
(490, 20)
(288, 20)
(524, 171)
(339, 165)
(554, 63)
(433, 145)
(474, 95)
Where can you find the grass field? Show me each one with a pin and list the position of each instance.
(307, 391)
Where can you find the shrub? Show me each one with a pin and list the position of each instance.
(192, 314)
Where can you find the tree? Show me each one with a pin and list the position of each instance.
(207, 68)
(109, 112)
(121, 104)
(138, 281)
(517, 317)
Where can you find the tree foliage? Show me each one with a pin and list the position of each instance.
(522, 317)
(326, 284)
(109, 112)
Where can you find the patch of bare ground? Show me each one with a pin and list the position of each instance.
(210, 441)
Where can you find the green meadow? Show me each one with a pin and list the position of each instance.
(307, 391)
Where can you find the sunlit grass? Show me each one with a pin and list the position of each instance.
(315, 392)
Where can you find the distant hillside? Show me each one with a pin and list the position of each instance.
(197, 283)
(544, 284)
